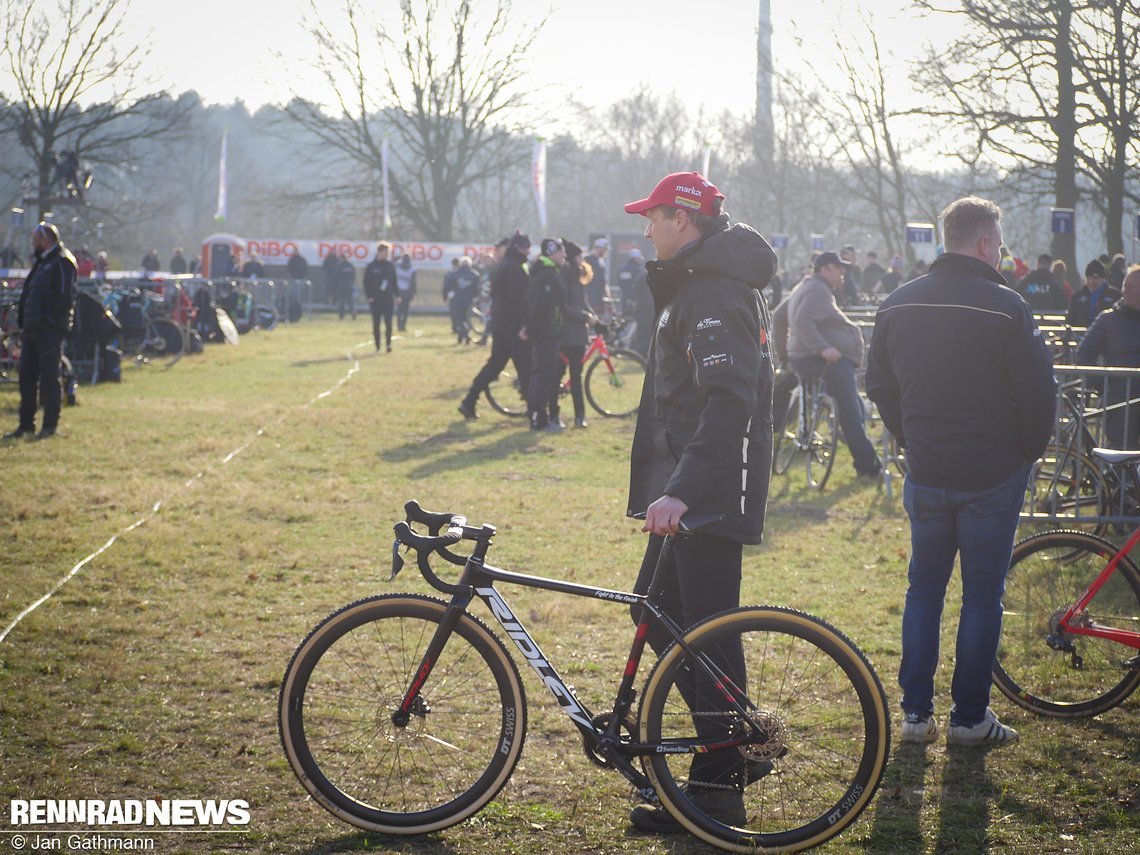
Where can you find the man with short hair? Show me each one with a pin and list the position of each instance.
(1113, 340)
(893, 278)
(965, 383)
(45, 313)
(380, 291)
(1040, 289)
(703, 443)
(872, 273)
(824, 342)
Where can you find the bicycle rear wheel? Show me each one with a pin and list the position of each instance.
(787, 442)
(163, 338)
(1047, 573)
(1067, 486)
(336, 716)
(823, 442)
(817, 711)
(613, 385)
(506, 395)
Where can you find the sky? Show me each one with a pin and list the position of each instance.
(596, 51)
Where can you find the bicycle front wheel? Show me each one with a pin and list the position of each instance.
(336, 716)
(613, 384)
(1057, 674)
(506, 394)
(817, 713)
(823, 442)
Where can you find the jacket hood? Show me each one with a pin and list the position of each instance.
(738, 252)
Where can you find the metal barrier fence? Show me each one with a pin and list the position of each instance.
(1070, 485)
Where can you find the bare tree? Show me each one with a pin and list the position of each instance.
(449, 87)
(1106, 44)
(1011, 79)
(77, 79)
(869, 143)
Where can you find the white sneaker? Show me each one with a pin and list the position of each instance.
(918, 729)
(988, 731)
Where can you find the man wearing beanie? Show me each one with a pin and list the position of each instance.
(545, 307)
(509, 282)
(1093, 298)
(703, 445)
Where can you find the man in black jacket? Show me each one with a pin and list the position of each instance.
(1114, 339)
(965, 383)
(46, 310)
(703, 441)
(380, 291)
(546, 307)
(509, 284)
(1040, 289)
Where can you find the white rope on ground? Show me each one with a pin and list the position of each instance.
(163, 501)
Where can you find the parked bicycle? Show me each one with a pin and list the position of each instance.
(405, 714)
(1071, 620)
(611, 382)
(810, 431)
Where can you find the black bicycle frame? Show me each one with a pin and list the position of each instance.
(478, 579)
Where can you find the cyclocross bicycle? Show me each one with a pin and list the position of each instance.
(1071, 623)
(611, 382)
(404, 714)
(810, 430)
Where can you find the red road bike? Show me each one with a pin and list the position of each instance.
(1071, 622)
(611, 382)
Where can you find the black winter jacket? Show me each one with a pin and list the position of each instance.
(546, 301)
(509, 282)
(961, 376)
(1115, 336)
(48, 298)
(704, 425)
(576, 310)
(1081, 313)
(380, 281)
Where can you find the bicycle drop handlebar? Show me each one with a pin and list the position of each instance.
(425, 546)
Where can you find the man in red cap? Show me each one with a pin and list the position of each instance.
(703, 443)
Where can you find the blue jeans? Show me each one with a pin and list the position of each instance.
(978, 525)
(839, 380)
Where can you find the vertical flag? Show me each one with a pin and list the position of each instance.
(384, 175)
(705, 161)
(538, 178)
(220, 216)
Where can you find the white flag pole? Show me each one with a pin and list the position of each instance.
(384, 172)
(221, 214)
(538, 178)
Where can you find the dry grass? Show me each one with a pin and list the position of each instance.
(154, 671)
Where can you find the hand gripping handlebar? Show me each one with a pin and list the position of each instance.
(425, 545)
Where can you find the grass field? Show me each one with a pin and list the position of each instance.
(265, 503)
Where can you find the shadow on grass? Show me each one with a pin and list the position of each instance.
(460, 447)
(369, 842)
(966, 802)
(898, 806)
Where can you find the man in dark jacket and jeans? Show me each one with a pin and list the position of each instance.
(965, 383)
(509, 283)
(703, 441)
(46, 310)
(1114, 339)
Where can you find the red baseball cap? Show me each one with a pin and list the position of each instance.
(689, 190)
